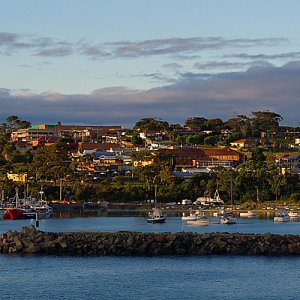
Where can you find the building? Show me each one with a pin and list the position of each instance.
(244, 143)
(198, 158)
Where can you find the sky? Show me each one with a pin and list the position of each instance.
(115, 62)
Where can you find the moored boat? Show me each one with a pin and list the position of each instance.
(192, 216)
(156, 216)
(13, 214)
(248, 214)
(228, 219)
(282, 216)
(202, 220)
(207, 200)
(42, 208)
(14, 211)
(221, 213)
(294, 214)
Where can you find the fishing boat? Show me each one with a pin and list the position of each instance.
(41, 207)
(156, 216)
(207, 200)
(14, 211)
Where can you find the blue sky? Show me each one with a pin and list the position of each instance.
(117, 61)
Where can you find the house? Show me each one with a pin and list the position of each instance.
(244, 143)
(23, 146)
(83, 146)
(44, 141)
(32, 134)
(199, 158)
(151, 135)
(227, 158)
(289, 164)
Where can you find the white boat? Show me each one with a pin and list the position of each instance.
(228, 220)
(156, 216)
(41, 207)
(207, 200)
(222, 213)
(282, 216)
(248, 214)
(202, 220)
(191, 217)
(294, 214)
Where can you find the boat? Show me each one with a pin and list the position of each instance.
(207, 200)
(41, 207)
(191, 217)
(156, 216)
(282, 216)
(202, 220)
(229, 219)
(294, 214)
(221, 213)
(14, 211)
(248, 214)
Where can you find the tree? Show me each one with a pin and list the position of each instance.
(265, 121)
(240, 124)
(215, 124)
(210, 140)
(136, 139)
(197, 123)
(14, 123)
(151, 124)
(258, 156)
(51, 162)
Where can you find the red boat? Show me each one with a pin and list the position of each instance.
(14, 211)
(13, 214)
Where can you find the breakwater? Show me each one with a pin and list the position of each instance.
(31, 240)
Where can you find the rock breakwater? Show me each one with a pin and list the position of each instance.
(31, 240)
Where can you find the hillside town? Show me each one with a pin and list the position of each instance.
(250, 159)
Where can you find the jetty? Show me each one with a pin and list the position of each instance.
(30, 240)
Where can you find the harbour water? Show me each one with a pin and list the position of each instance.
(204, 277)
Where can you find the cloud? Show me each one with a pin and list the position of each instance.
(186, 48)
(194, 94)
(173, 46)
(211, 65)
(172, 66)
(288, 55)
(55, 52)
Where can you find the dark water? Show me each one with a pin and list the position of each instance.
(215, 277)
(206, 277)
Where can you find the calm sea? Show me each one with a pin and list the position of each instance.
(205, 277)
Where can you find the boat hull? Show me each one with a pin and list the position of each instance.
(281, 219)
(13, 214)
(228, 220)
(198, 223)
(156, 221)
(249, 214)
